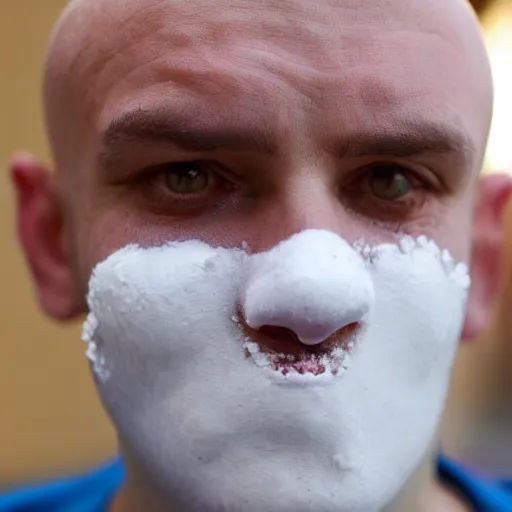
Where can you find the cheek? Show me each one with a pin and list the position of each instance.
(107, 231)
(454, 233)
(446, 221)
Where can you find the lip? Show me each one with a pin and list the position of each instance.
(284, 353)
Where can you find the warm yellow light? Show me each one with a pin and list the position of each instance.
(499, 41)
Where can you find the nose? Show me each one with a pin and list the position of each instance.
(313, 284)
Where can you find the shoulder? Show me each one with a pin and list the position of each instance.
(85, 493)
(485, 494)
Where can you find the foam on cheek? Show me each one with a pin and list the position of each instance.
(157, 291)
(97, 361)
(173, 364)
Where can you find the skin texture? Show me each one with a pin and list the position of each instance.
(290, 105)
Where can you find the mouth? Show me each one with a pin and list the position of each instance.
(281, 350)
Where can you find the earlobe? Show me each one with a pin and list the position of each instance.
(489, 239)
(40, 233)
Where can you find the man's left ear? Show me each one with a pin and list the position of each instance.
(489, 242)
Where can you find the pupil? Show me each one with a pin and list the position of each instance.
(400, 184)
(184, 179)
(389, 184)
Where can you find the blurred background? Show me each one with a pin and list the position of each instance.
(51, 421)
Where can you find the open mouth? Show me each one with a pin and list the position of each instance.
(281, 350)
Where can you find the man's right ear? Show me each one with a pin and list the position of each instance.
(40, 229)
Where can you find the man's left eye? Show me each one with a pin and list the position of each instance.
(388, 192)
(388, 182)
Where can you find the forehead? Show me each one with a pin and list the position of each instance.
(333, 62)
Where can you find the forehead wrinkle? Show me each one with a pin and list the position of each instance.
(208, 74)
(179, 22)
(297, 15)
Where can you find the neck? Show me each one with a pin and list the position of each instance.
(422, 493)
(139, 493)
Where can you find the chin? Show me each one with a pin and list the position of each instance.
(273, 458)
(272, 484)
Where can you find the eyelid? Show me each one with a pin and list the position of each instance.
(217, 170)
(152, 173)
(158, 175)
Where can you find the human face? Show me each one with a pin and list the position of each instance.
(366, 122)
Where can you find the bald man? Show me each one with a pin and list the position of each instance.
(266, 209)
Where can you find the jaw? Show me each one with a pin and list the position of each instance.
(421, 488)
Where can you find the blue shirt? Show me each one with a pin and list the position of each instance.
(94, 492)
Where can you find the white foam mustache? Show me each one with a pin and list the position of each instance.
(313, 292)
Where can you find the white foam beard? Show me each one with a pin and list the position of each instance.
(219, 429)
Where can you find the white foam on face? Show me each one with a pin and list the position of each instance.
(202, 409)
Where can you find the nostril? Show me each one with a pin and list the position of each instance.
(279, 333)
(281, 340)
(285, 340)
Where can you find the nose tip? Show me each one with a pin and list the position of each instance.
(314, 285)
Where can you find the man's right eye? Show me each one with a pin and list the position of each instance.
(185, 178)
(184, 187)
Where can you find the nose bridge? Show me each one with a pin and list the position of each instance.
(313, 284)
(306, 200)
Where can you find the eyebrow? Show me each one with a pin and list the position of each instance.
(409, 139)
(179, 131)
